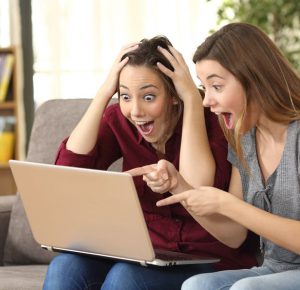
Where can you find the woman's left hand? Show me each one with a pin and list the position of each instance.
(181, 76)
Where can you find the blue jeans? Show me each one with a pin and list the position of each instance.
(76, 272)
(256, 278)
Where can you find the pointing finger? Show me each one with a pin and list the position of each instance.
(172, 199)
(141, 170)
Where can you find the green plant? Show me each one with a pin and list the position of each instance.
(280, 19)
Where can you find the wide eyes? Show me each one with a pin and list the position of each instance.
(217, 88)
(125, 97)
(147, 98)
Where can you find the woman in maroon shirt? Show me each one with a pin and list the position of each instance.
(159, 116)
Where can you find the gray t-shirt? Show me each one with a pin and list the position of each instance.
(280, 194)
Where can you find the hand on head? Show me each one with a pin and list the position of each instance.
(110, 85)
(161, 177)
(181, 75)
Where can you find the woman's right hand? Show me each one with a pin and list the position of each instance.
(110, 85)
(85, 135)
(162, 177)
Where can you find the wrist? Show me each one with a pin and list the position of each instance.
(226, 203)
(106, 91)
(192, 96)
(102, 98)
(181, 185)
(193, 103)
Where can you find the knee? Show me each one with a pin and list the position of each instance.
(245, 284)
(54, 276)
(58, 264)
(201, 281)
(122, 276)
(61, 271)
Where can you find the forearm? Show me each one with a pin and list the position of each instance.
(204, 206)
(83, 138)
(197, 164)
(281, 231)
(223, 229)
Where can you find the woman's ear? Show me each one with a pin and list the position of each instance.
(174, 101)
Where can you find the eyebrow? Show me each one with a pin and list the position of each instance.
(148, 86)
(141, 88)
(213, 76)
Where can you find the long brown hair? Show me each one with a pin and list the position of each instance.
(265, 74)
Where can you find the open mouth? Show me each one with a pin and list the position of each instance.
(228, 120)
(145, 128)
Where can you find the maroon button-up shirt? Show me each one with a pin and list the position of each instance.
(170, 227)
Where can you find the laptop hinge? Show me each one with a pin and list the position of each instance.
(143, 263)
(48, 248)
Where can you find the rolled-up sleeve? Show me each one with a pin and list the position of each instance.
(105, 152)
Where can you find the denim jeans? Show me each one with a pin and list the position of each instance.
(256, 278)
(76, 272)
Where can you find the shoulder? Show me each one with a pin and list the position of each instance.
(292, 146)
(248, 144)
(112, 110)
(248, 148)
(114, 118)
(293, 136)
(113, 115)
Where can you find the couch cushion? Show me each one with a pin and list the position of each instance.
(6, 202)
(22, 277)
(20, 247)
(54, 121)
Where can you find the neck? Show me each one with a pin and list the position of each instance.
(160, 146)
(269, 129)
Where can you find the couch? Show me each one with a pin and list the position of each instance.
(23, 263)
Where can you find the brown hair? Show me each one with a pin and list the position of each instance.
(265, 74)
(148, 55)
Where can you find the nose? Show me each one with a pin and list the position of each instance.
(136, 109)
(208, 100)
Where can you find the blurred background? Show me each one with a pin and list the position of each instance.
(65, 47)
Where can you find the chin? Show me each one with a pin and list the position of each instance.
(149, 139)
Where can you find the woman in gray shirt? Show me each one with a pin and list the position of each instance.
(256, 94)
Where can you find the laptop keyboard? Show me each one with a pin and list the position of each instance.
(169, 255)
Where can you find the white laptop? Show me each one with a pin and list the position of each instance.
(90, 212)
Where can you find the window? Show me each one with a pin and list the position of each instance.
(75, 42)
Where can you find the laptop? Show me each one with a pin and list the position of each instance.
(90, 212)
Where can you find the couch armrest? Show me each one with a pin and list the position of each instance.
(6, 203)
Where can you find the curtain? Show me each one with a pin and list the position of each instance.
(75, 42)
(4, 23)
(10, 35)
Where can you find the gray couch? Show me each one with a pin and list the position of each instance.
(23, 263)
